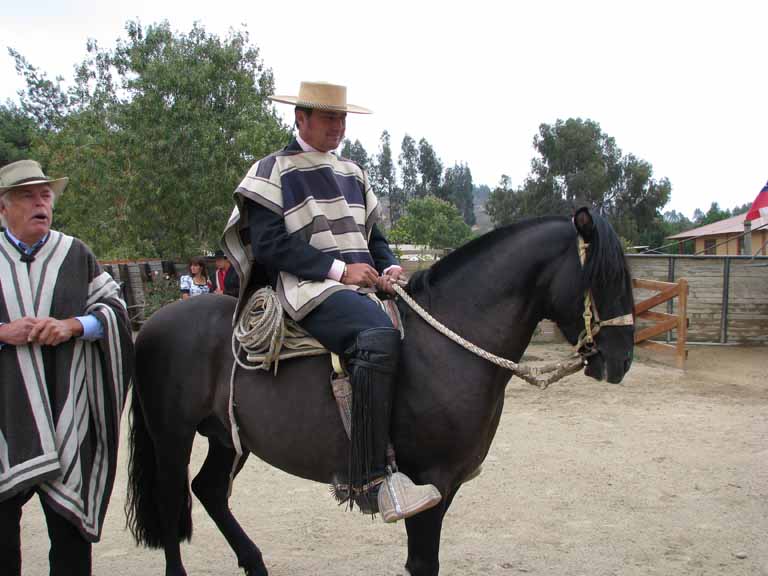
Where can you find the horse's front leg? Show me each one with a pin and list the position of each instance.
(424, 540)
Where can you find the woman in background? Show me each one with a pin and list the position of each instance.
(196, 282)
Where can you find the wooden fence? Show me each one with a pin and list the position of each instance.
(651, 323)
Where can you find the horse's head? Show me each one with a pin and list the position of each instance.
(603, 329)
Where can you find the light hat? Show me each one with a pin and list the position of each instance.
(25, 173)
(322, 96)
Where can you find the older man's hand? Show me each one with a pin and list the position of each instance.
(16, 333)
(52, 331)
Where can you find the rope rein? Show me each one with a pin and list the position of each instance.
(534, 375)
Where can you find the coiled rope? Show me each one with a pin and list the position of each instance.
(262, 331)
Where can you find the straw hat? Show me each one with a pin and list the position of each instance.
(26, 173)
(322, 96)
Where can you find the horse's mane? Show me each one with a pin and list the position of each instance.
(605, 262)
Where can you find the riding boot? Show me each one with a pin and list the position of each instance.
(373, 369)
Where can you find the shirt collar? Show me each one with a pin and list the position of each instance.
(308, 147)
(24, 247)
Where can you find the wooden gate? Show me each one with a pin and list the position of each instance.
(663, 322)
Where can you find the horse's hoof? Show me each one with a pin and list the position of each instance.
(255, 565)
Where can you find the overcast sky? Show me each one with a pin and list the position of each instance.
(682, 85)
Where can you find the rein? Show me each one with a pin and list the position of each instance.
(539, 376)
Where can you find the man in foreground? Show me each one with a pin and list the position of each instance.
(66, 357)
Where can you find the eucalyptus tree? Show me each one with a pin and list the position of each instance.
(408, 163)
(430, 169)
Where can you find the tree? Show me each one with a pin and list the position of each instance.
(457, 188)
(45, 101)
(636, 208)
(743, 209)
(384, 179)
(155, 135)
(357, 153)
(673, 223)
(578, 164)
(582, 161)
(502, 205)
(17, 130)
(536, 197)
(714, 214)
(430, 168)
(431, 222)
(408, 161)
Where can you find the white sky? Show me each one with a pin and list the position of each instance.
(682, 85)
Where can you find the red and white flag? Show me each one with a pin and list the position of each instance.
(759, 206)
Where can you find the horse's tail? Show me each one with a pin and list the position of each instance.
(143, 515)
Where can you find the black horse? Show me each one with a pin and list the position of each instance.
(493, 291)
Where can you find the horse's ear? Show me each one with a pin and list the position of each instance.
(585, 226)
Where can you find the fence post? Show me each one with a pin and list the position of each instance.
(724, 305)
(670, 303)
(682, 322)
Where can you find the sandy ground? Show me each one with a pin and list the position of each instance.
(666, 474)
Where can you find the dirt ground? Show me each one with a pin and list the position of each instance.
(665, 474)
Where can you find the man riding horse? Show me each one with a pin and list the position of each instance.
(305, 223)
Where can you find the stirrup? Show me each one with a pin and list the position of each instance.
(400, 498)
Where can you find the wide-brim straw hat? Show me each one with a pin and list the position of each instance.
(26, 173)
(322, 96)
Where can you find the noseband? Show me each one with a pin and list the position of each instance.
(585, 345)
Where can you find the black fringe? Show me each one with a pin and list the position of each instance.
(362, 448)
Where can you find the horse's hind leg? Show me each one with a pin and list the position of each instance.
(173, 499)
(210, 486)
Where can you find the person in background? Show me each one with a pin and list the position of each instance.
(66, 360)
(227, 281)
(222, 267)
(196, 282)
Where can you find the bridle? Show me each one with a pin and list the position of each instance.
(585, 344)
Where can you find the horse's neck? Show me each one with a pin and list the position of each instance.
(491, 299)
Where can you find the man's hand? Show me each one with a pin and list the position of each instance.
(386, 280)
(16, 333)
(52, 332)
(360, 275)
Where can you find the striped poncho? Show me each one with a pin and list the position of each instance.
(324, 200)
(60, 406)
